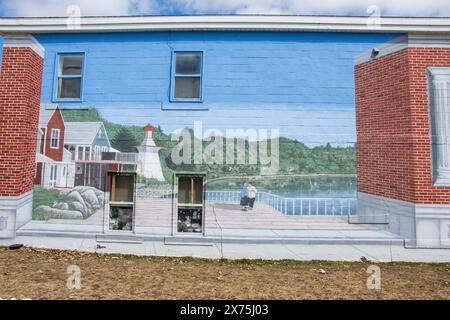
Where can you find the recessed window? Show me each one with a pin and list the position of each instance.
(54, 141)
(190, 204)
(187, 76)
(70, 76)
(121, 206)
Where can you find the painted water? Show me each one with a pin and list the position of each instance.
(293, 195)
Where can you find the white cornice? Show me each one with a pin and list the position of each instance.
(226, 22)
(439, 74)
(407, 41)
(23, 41)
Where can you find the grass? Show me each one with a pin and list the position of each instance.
(47, 197)
(42, 274)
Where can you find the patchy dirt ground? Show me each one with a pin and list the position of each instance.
(42, 274)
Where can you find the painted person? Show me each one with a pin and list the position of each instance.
(251, 194)
(244, 198)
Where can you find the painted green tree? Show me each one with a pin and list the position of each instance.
(124, 141)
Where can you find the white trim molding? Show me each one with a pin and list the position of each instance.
(23, 41)
(14, 213)
(439, 110)
(227, 23)
(425, 225)
(410, 40)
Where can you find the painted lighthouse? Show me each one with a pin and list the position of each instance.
(149, 165)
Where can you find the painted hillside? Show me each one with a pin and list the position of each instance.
(295, 156)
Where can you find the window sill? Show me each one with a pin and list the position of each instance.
(67, 100)
(184, 105)
(442, 182)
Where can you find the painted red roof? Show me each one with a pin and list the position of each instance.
(149, 127)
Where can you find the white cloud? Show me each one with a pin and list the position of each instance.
(356, 7)
(124, 7)
(48, 8)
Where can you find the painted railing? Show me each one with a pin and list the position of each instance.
(287, 206)
(119, 157)
(310, 206)
(292, 206)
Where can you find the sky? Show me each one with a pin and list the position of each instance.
(48, 8)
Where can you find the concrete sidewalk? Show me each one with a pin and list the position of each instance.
(342, 252)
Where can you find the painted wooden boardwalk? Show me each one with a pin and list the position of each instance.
(226, 220)
(227, 215)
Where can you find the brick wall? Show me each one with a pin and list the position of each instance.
(20, 89)
(392, 119)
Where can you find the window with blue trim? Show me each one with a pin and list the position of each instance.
(187, 76)
(70, 76)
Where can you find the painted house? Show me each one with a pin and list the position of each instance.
(263, 126)
(85, 142)
(54, 167)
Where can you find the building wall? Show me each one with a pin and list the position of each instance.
(20, 85)
(419, 60)
(289, 78)
(384, 127)
(393, 132)
(20, 90)
(394, 158)
(301, 84)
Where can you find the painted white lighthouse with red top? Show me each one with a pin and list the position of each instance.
(149, 165)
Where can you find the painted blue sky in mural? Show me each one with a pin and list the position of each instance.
(140, 7)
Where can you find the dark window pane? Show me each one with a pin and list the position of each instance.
(190, 190)
(184, 187)
(70, 65)
(187, 88)
(188, 63)
(122, 188)
(197, 188)
(69, 88)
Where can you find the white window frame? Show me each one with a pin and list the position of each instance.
(58, 76)
(57, 139)
(175, 75)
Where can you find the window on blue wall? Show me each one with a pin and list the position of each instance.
(187, 76)
(70, 76)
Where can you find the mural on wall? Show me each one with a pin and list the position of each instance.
(77, 148)
(288, 94)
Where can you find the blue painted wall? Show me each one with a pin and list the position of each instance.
(301, 83)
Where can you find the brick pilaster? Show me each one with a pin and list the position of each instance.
(393, 126)
(20, 90)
